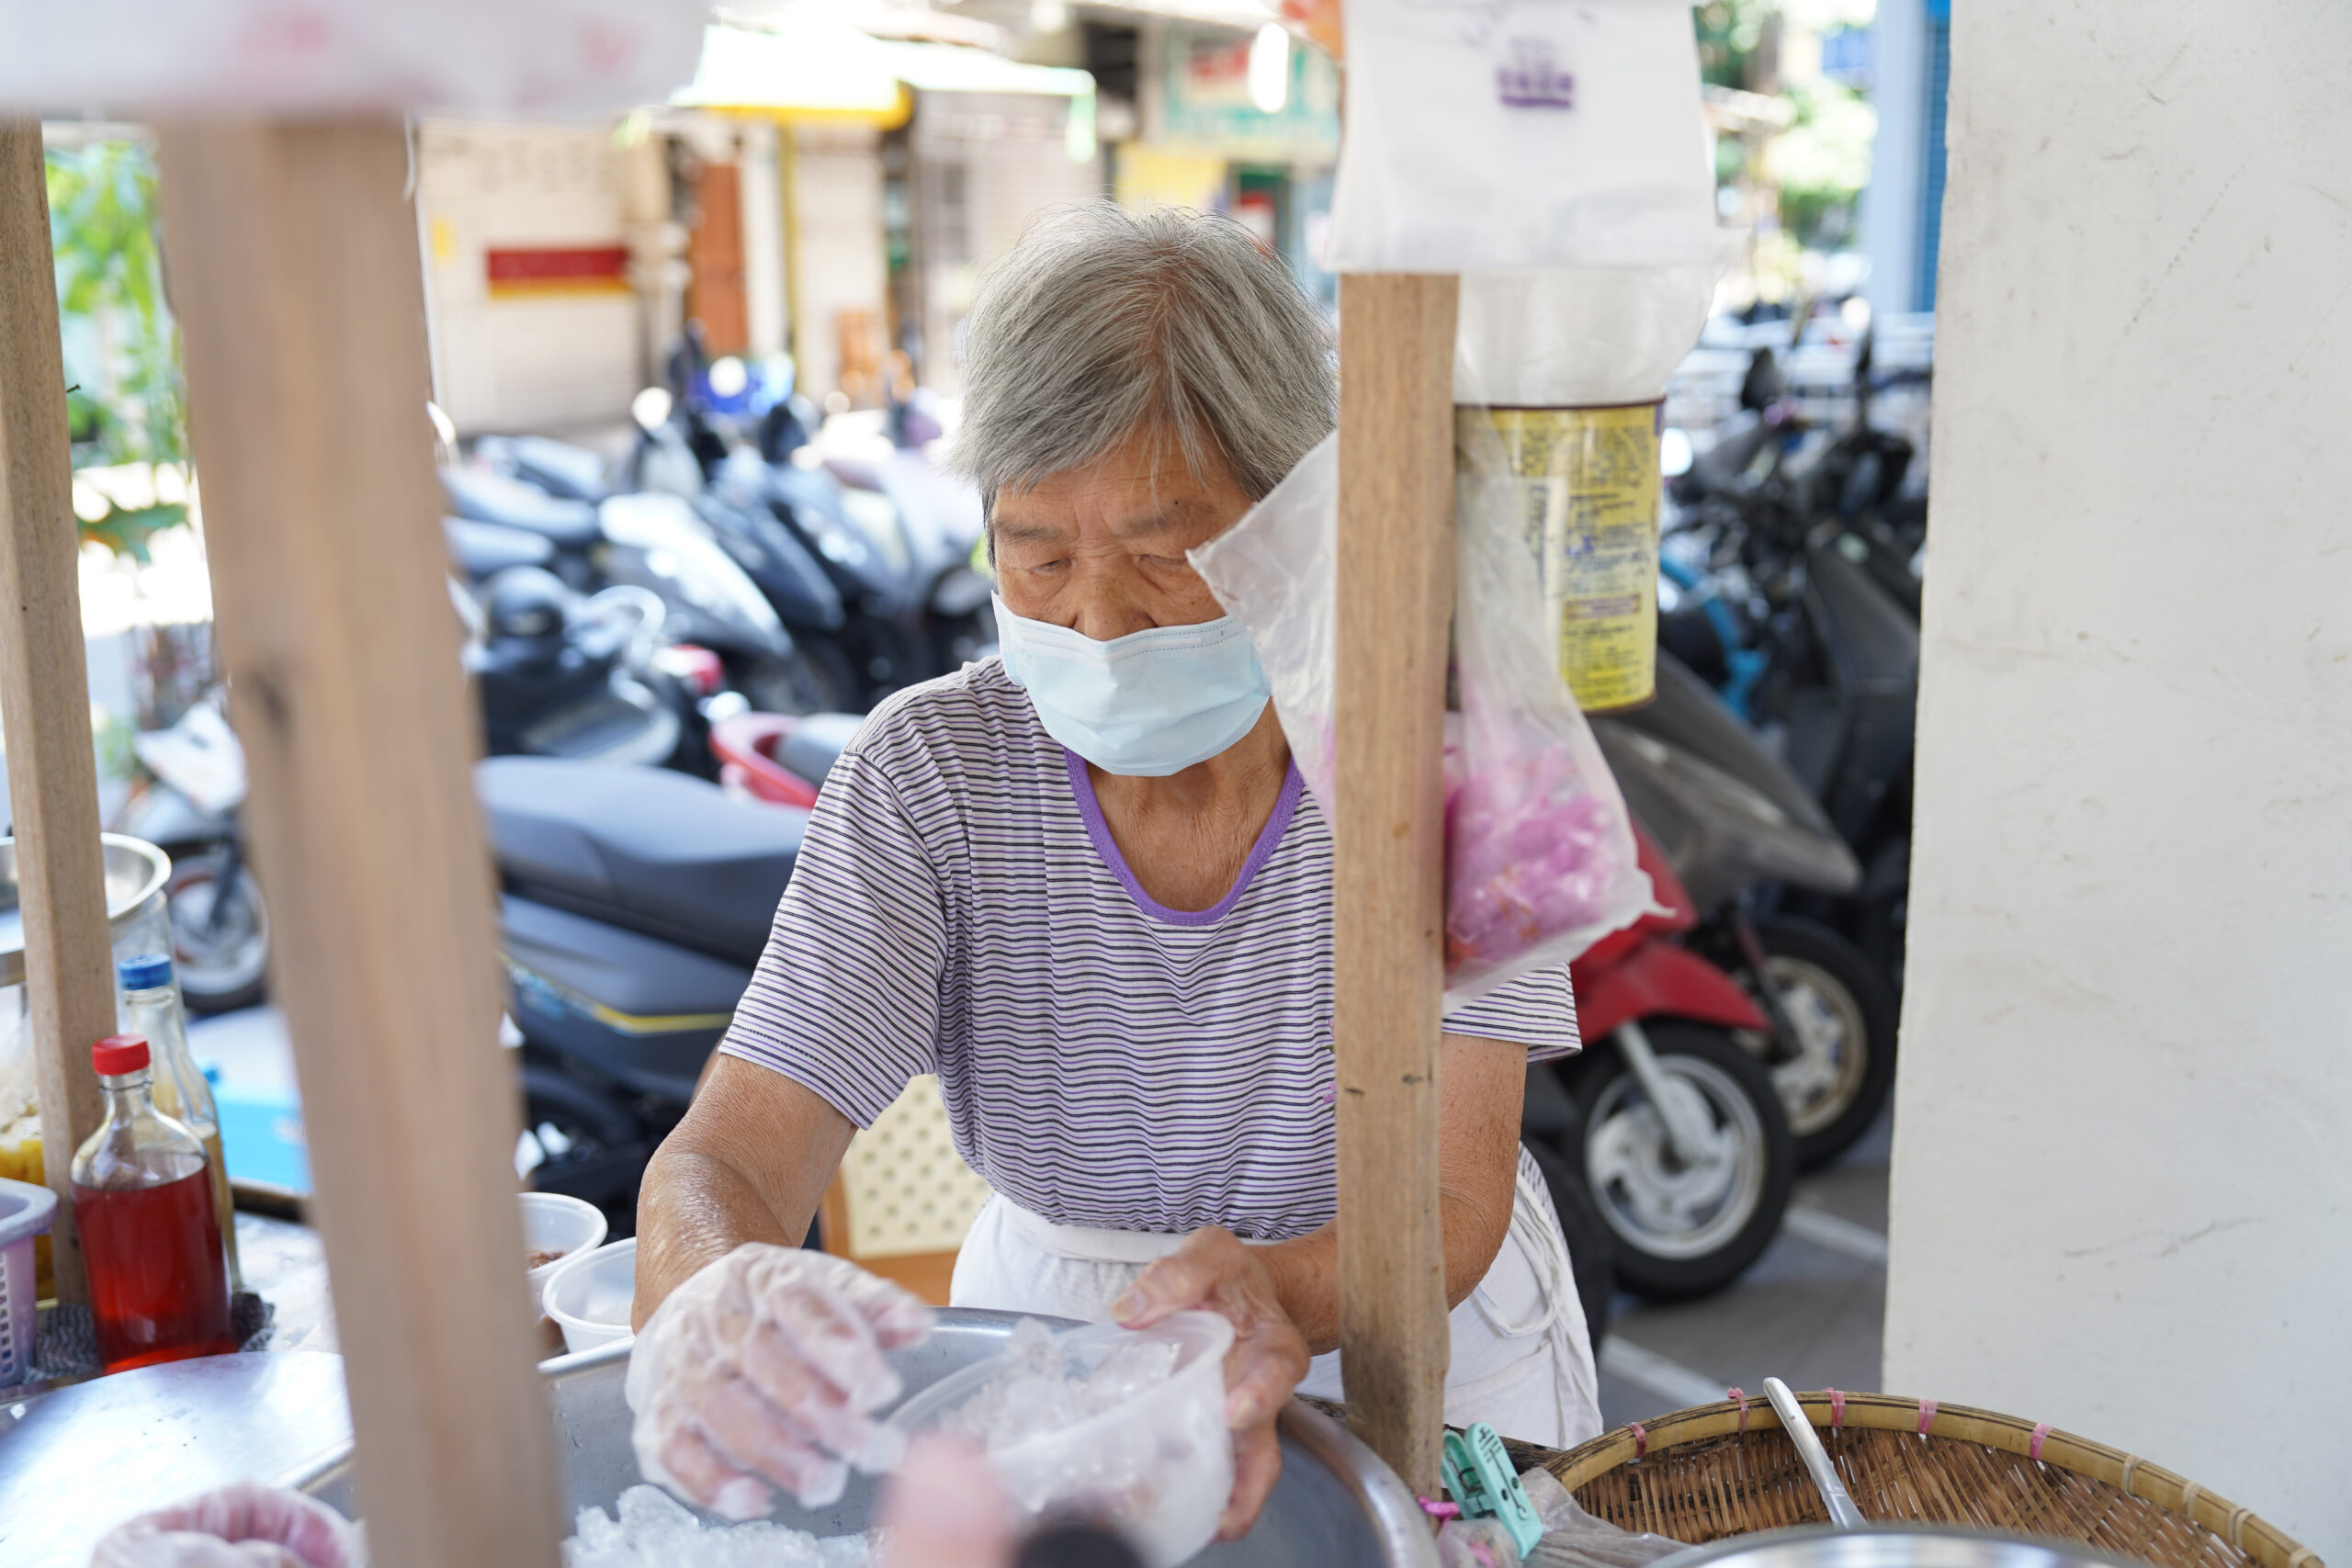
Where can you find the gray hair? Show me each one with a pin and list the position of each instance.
(1101, 323)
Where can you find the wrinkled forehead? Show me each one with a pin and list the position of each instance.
(1145, 490)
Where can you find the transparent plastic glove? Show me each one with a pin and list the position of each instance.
(1475, 1544)
(241, 1526)
(761, 1371)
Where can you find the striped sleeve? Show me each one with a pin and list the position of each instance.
(1537, 1011)
(846, 998)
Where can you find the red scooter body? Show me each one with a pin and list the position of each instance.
(745, 746)
(1637, 972)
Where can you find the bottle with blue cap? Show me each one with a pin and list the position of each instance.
(149, 1004)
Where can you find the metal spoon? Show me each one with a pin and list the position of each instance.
(1843, 1514)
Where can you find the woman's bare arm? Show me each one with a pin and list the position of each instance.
(749, 1163)
(1480, 1085)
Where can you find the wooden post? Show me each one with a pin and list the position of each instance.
(45, 697)
(293, 262)
(1396, 598)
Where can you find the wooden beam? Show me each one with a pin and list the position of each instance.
(294, 266)
(1396, 598)
(45, 697)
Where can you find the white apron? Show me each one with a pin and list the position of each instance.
(1521, 1361)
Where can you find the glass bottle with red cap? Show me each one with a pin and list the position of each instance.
(150, 1238)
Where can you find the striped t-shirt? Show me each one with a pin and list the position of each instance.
(959, 907)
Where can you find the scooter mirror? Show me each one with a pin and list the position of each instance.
(651, 409)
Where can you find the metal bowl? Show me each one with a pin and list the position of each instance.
(135, 870)
(1336, 1502)
(1892, 1546)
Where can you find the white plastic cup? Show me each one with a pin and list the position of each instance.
(553, 1221)
(590, 1295)
(1157, 1468)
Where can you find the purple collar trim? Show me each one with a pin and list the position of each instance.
(1082, 786)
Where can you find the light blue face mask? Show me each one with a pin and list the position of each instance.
(1147, 705)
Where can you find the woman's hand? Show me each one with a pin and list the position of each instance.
(761, 1371)
(1213, 1271)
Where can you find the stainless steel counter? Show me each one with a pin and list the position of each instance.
(76, 1463)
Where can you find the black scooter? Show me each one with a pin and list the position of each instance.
(633, 903)
(1747, 838)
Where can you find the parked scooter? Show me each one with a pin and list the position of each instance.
(1743, 834)
(219, 922)
(1799, 583)
(1675, 1129)
(561, 675)
(655, 542)
(633, 903)
(777, 561)
(895, 536)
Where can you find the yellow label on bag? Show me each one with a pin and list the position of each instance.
(1587, 481)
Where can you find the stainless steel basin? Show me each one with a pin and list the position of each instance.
(1336, 1502)
(135, 873)
(1892, 1546)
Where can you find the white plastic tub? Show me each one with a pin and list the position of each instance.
(553, 1221)
(589, 1293)
(25, 1212)
(1159, 1466)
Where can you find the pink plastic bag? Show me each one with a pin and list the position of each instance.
(1540, 859)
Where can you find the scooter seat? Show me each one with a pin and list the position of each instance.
(484, 549)
(812, 746)
(649, 850)
(573, 473)
(487, 497)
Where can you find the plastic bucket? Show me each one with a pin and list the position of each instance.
(25, 1212)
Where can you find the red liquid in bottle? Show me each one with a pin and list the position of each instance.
(159, 1284)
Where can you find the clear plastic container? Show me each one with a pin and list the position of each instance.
(1157, 1466)
(150, 1236)
(148, 1003)
(590, 1295)
(556, 1226)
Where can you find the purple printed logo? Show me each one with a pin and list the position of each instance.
(1529, 80)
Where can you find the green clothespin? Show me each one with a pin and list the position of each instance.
(1479, 1475)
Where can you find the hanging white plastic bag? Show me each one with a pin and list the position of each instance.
(1540, 858)
(1497, 135)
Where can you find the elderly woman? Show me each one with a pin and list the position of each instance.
(1083, 884)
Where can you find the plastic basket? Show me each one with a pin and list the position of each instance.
(25, 1212)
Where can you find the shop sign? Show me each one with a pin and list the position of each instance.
(1199, 99)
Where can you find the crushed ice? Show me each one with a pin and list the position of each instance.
(653, 1530)
(1038, 1393)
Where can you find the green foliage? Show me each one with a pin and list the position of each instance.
(128, 404)
(1822, 161)
(1729, 32)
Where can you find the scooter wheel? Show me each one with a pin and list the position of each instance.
(1683, 1227)
(1835, 1086)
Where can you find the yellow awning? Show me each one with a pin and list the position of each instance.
(954, 68)
(798, 67)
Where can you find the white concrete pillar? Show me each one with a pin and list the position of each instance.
(2122, 1174)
